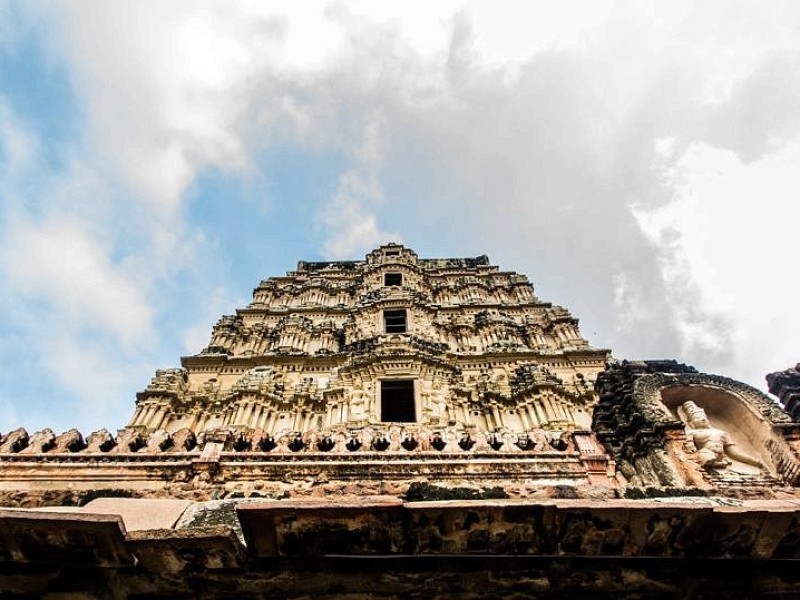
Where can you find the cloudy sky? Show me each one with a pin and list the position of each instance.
(639, 162)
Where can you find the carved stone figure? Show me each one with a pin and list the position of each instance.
(437, 404)
(359, 405)
(714, 447)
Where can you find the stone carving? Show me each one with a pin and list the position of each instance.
(353, 443)
(786, 386)
(636, 421)
(380, 443)
(14, 441)
(41, 441)
(100, 441)
(435, 403)
(169, 380)
(183, 440)
(714, 447)
(256, 379)
(128, 440)
(359, 404)
(296, 443)
(69, 441)
(158, 441)
(326, 444)
(466, 442)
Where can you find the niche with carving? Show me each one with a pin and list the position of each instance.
(723, 433)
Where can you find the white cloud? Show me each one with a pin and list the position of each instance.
(348, 220)
(19, 148)
(61, 262)
(727, 241)
(539, 127)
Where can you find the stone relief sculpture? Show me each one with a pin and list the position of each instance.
(435, 403)
(714, 447)
(359, 405)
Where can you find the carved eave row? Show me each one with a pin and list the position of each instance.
(226, 361)
(589, 357)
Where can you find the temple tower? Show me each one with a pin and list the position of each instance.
(391, 341)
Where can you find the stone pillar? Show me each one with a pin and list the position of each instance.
(563, 410)
(532, 416)
(199, 422)
(498, 421)
(148, 415)
(523, 418)
(162, 417)
(539, 410)
(136, 415)
(297, 420)
(248, 413)
(256, 418)
(467, 414)
(548, 409)
(239, 412)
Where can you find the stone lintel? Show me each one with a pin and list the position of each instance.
(174, 551)
(688, 528)
(63, 537)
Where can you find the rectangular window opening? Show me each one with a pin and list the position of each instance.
(395, 320)
(397, 401)
(392, 253)
(393, 279)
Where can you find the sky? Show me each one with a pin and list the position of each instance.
(639, 161)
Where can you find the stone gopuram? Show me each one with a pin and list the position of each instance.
(403, 427)
(392, 354)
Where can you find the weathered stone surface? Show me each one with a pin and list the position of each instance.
(158, 441)
(100, 441)
(14, 441)
(379, 546)
(429, 322)
(183, 440)
(140, 514)
(786, 386)
(128, 440)
(69, 441)
(41, 441)
(53, 537)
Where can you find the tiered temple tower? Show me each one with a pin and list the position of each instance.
(397, 342)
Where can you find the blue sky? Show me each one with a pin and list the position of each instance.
(638, 162)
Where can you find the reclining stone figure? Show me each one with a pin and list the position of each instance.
(715, 449)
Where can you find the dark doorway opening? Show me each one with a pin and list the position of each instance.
(397, 401)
